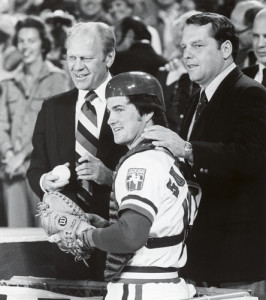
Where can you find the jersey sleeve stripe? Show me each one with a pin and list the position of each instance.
(140, 200)
(138, 209)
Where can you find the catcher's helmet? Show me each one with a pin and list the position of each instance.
(134, 83)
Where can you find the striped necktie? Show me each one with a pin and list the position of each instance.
(86, 140)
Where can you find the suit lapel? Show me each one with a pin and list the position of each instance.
(66, 125)
(253, 71)
(189, 116)
(106, 138)
(221, 94)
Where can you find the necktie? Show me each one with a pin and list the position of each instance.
(86, 140)
(264, 77)
(203, 102)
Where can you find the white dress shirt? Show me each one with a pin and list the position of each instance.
(259, 76)
(99, 103)
(210, 90)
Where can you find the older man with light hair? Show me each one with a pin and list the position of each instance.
(258, 71)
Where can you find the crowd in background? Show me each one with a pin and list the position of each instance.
(33, 67)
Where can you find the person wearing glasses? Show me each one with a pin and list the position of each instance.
(242, 17)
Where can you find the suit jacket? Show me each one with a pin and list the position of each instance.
(251, 71)
(228, 240)
(177, 97)
(54, 144)
(139, 57)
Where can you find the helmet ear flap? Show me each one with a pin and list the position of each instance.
(134, 83)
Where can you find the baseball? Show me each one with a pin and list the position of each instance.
(62, 172)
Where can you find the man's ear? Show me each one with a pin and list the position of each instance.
(148, 117)
(227, 49)
(110, 57)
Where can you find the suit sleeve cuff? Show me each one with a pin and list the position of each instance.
(41, 184)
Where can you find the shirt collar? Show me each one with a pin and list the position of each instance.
(212, 87)
(100, 91)
(261, 68)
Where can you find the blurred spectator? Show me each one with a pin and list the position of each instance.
(4, 6)
(242, 17)
(119, 9)
(258, 71)
(144, 8)
(167, 12)
(186, 6)
(65, 5)
(25, 7)
(134, 50)
(225, 7)
(6, 33)
(92, 11)
(58, 22)
(208, 5)
(20, 101)
(7, 24)
(177, 87)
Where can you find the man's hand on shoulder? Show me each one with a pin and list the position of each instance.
(164, 137)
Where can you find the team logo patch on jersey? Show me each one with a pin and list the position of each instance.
(135, 179)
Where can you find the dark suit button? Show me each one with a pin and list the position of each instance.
(206, 171)
(201, 170)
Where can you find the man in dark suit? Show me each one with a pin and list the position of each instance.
(258, 71)
(90, 53)
(242, 17)
(223, 139)
(134, 50)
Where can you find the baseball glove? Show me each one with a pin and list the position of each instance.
(61, 219)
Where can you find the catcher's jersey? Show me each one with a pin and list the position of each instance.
(151, 184)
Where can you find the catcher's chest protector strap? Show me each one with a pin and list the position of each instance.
(116, 262)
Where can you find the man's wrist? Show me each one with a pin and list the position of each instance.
(108, 177)
(87, 238)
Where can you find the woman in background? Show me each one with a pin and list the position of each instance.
(21, 98)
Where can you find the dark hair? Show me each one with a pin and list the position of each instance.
(106, 4)
(3, 37)
(250, 15)
(59, 37)
(222, 28)
(146, 104)
(34, 22)
(139, 28)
